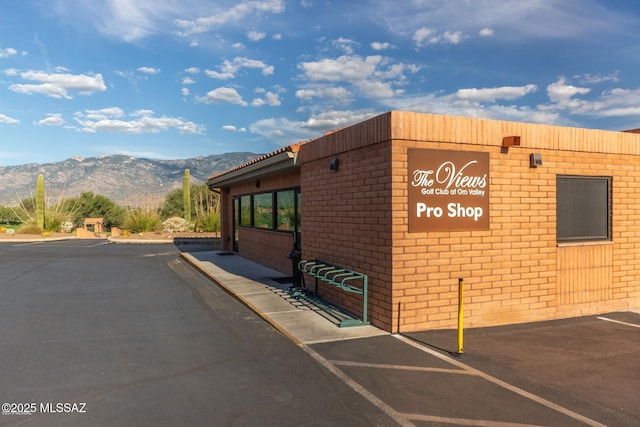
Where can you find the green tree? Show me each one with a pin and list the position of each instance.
(8, 216)
(173, 204)
(89, 205)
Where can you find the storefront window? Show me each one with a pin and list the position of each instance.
(263, 210)
(245, 211)
(286, 210)
(278, 210)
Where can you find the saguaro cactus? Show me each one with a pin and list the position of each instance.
(186, 191)
(40, 201)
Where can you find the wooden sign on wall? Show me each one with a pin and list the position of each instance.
(448, 190)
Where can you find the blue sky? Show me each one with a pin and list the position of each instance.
(183, 78)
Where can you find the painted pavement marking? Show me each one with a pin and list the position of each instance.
(633, 325)
(503, 384)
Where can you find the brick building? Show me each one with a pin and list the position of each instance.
(540, 221)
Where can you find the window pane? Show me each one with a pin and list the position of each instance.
(263, 210)
(299, 211)
(286, 210)
(583, 208)
(245, 210)
(236, 211)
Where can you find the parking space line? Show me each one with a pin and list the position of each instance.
(503, 384)
(465, 421)
(401, 367)
(392, 413)
(633, 325)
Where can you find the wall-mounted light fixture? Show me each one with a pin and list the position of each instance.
(257, 183)
(535, 160)
(511, 141)
(333, 166)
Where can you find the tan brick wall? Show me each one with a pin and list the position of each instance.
(346, 215)
(511, 272)
(357, 217)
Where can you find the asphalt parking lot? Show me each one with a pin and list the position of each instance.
(144, 339)
(582, 371)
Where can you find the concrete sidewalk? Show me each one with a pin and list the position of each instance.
(253, 284)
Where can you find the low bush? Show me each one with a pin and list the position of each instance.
(142, 221)
(175, 225)
(30, 229)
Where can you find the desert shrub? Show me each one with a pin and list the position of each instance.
(207, 210)
(142, 220)
(30, 229)
(175, 225)
(66, 227)
(10, 231)
(3, 230)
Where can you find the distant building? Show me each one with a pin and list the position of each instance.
(542, 222)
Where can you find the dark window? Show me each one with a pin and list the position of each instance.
(278, 210)
(286, 210)
(263, 210)
(583, 208)
(245, 211)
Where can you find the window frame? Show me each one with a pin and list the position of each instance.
(576, 214)
(250, 199)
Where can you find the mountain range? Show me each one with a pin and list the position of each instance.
(126, 180)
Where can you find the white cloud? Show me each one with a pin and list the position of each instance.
(423, 20)
(453, 37)
(231, 128)
(8, 120)
(344, 68)
(234, 14)
(149, 70)
(223, 94)
(52, 119)
(124, 20)
(192, 70)
(347, 46)
(270, 98)
(5, 53)
(256, 36)
(560, 92)
(380, 45)
(284, 131)
(185, 91)
(59, 85)
(371, 75)
(485, 32)
(423, 36)
(229, 69)
(597, 78)
(188, 81)
(495, 93)
(114, 120)
(334, 93)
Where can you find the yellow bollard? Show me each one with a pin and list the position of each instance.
(460, 316)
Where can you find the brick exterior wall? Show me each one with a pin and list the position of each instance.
(263, 246)
(514, 272)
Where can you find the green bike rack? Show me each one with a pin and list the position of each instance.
(342, 278)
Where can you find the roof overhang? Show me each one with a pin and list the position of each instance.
(273, 165)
